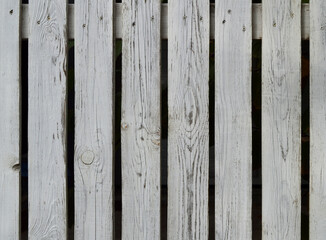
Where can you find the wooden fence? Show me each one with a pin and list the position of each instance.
(188, 26)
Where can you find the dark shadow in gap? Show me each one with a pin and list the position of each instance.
(256, 140)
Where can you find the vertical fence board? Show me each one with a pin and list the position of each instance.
(317, 120)
(140, 123)
(188, 159)
(94, 119)
(9, 119)
(47, 120)
(233, 119)
(281, 119)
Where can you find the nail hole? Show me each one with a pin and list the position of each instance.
(223, 21)
(11, 12)
(124, 126)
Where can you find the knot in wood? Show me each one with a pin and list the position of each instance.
(88, 157)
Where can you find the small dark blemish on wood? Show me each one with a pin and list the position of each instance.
(189, 148)
(184, 17)
(16, 167)
(243, 29)
(48, 17)
(11, 11)
(229, 11)
(101, 18)
(201, 18)
(292, 15)
(38, 22)
(133, 24)
(124, 126)
(224, 21)
(139, 174)
(274, 24)
(152, 18)
(142, 138)
(84, 25)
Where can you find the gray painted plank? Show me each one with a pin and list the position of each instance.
(94, 119)
(10, 119)
(140, 123)
(233, 128)
(256, 21)
(317, 121)
(281, 119)
(47, 120)
(188, 73)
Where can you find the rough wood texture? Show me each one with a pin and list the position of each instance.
(94, 119)
(9, 119)
(317, 120)
(47, 120)
(233, 120)
(140, 123)
(281, 119)
(256, 18)
(188, 73)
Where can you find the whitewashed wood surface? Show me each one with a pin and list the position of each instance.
(140, 120)
(9, 119)
(188, 73)
(233, 178)
(47, 120)
(256, 21)
(281, 119)
(317, 201)
(94, 119)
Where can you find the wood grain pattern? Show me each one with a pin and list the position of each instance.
(281, 119)
(140, 123)
(94, 119)
(233, 128)
(317, 201)
(47, 120)
(9, 119)
(188, 72)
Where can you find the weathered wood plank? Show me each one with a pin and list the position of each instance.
(188, 74)
(94, 119)
(281, 119)
(256, 21)
(317, 120)
(9, 119)
(140, 123)
(47, 120)
(233, 119)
